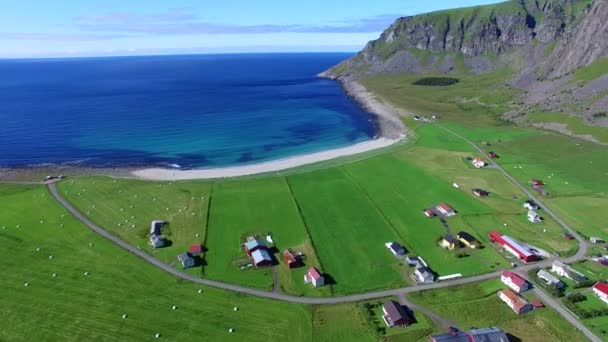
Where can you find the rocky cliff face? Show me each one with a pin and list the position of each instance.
(586, 43)
(482, 31)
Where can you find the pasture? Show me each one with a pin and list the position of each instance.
(72, 306)
(477, 305)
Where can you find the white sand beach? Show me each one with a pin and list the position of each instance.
(271, 166)
(391, 131)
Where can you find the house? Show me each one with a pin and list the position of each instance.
(314, 277)
(261, 257)
(534, 217)
(395, 248)
(518, 304)
(186, 259)
(514, 281)
(480, 193)
(478, 162)
(155, 227)
(549, 279)
(449, 242)
(395, 315)
(195, 249)
(424, 275)
(429, 212)
(491, 334)
(514, 247)
(291, 260)
(492, 155)
(531, 205)
(156, 241)
(596, 240)
(564, 270)
(254, 244)
(468, 240)
(601, 291)
(537, 182)
(445, 209)
(412, 260)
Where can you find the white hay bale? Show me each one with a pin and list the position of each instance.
(196, 234)
(26, 284)
(200, 291)
(236, 308)
(231, 330)
(174, 307)
(50, 257)
(157, 335)
(38, 249)
(54, 275)
(90, 244)
(124, 316)
(86, 273)
(18, 226)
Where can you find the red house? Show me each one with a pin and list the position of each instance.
(537, 182)
(291, 260)
(514, 247)
(480, 193)
(492, 155)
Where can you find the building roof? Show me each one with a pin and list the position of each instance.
(515, 278)
(195, 249)
(289, 256)
(547, 276)
(445, 206)
(517, 301)
(602, 287)
(184, 256)
(314, 273)
(395, 312)
(492, 334)
(559, 264)
(450, 238)
(395, 247)
(255, 243)
(466, 237)
(260, 255)
(425, 272)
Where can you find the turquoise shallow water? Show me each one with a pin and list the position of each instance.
(195, 111)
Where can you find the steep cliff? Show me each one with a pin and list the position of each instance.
(476, 35)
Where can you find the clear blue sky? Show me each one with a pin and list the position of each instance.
(35, 28)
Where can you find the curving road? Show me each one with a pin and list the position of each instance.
(579, 255)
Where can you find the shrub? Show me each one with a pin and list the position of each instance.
(436, 81)
(600, 115)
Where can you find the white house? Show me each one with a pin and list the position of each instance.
(156, 241)
(564, 270)
(534, 217)
(531, 205)
(514, 281)
(601, 291)
(423, 275)
(478, 162)
(596, 240)
(155, 227)
(445, 209)
(395, 248)
(549, 279)
(314, 277)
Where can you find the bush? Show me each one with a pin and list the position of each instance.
(600, 115)
(436, 81)
(575, 298)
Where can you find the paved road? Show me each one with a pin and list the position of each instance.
(580, 254)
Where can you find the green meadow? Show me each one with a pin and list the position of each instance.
(478, 305)
(39, 239)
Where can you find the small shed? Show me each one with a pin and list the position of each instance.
(480, 193)
(492, 155)
(291, 260)
(157, 241)
(449, 242)
(395, 248)
(468, 239)
(429, 212)
(195, 249)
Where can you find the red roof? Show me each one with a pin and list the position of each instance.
(314, 273)
(289, 257)
(195, 249)
(515, 278)
(603, 288)
(445, 206)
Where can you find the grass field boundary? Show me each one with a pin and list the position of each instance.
(306, 229)
(371, 200)
(207, 227)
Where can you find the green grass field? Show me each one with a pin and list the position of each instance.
(73, 306)
(477, 305)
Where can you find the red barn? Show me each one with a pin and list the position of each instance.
(195, 249)
(514, 247)
(291, 260)
(537, 182)
(492, 155)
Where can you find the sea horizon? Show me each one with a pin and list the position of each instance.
(191, 110)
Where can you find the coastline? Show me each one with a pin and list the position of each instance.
(391, 131)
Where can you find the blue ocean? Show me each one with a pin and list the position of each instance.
(193, 111)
